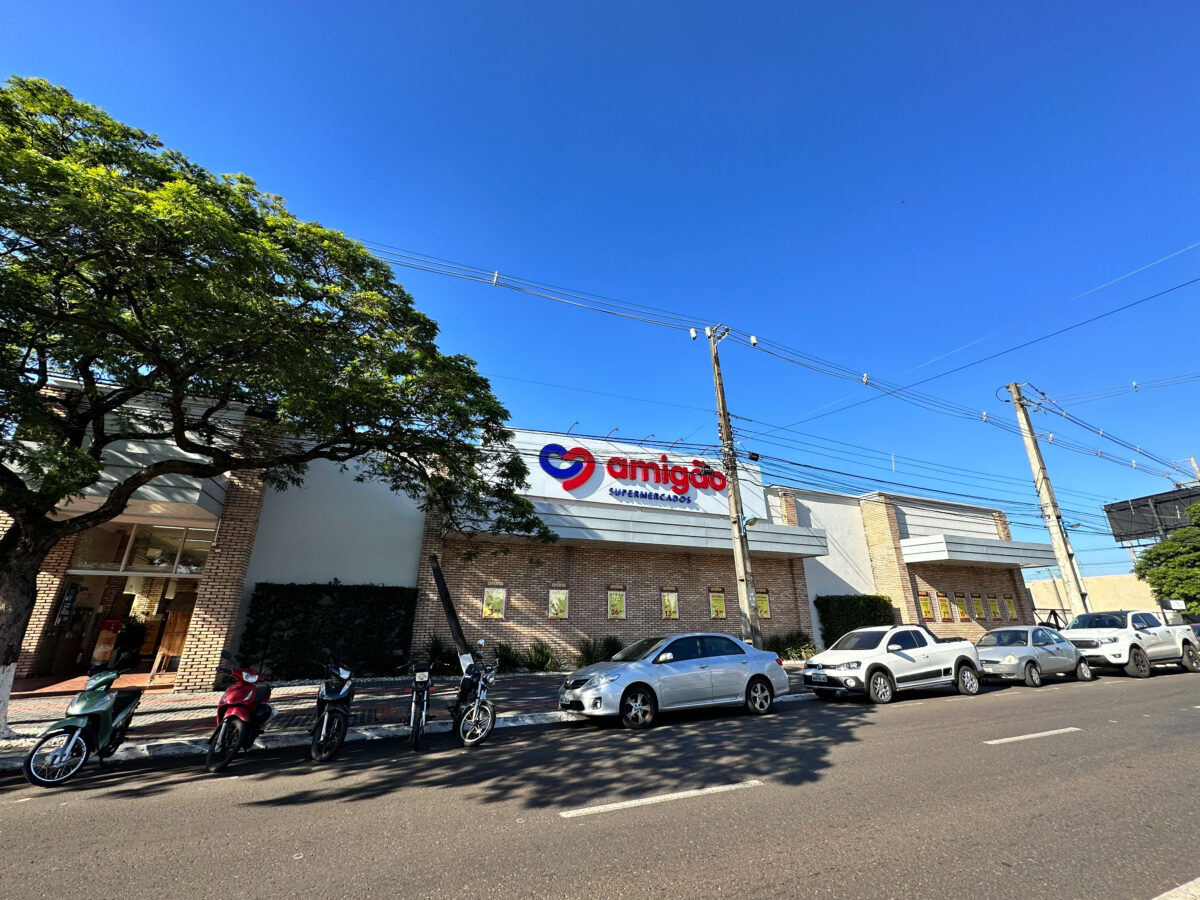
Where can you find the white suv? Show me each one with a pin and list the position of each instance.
(882, 660)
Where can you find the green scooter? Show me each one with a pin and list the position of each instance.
(96, 722)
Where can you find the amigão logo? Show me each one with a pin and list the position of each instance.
(582, 465)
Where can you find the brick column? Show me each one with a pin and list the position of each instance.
(428, 617)
(1002, 529)
(219, 594)
(49, 586)
(887, 561)
(787, 508)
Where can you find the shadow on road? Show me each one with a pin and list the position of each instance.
(565, 765)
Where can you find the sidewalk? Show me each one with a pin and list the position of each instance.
(167, 724)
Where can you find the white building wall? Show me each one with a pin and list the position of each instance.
(335, 527)
(918, 518)
(847, 567)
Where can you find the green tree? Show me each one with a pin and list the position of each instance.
(146, 301)
(1172, 566)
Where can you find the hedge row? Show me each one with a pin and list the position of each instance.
(288, 627)
(840, 613)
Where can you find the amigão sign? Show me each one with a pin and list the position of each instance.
(677, 479)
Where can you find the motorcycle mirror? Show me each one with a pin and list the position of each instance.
(481, 642)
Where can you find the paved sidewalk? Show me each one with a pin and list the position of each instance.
(167, 724)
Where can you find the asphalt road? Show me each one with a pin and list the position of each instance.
(853, 800)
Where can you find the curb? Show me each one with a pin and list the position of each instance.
(277, 740)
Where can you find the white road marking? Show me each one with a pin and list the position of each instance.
(23, 800)
(1029, 737)
(1189, 891)
(661, 798)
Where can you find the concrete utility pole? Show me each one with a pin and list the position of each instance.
(747, 603)
(1068, 567)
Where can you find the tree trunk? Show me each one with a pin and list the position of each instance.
(18, 590)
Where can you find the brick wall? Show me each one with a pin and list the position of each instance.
(887, 562)
(49, 586)
(985, 581)
(528, 571)
(219, 593)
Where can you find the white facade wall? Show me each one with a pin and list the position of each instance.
(335, 527)
(846, 569)
(918, 518)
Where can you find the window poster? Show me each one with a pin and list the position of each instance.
(960, 600)
(977, 602)
(944, 607)
(1010, 607)
(716, 603)
(559, 600)
(670, 602)
(926, 606)
(994, 606)
(495, 599)
(616, 601)
(763, 600)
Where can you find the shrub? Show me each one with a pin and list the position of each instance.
(508, 659)
(288, 627)
(591, 652)
(441, 656)
(840, 613)
(541, 658)
(792, 645)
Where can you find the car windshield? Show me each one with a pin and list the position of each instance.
(859, 640)
(1099, 620)
(1008, 638)
(638, 649)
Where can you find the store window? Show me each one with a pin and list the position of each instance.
(763, 600)
(194, 554)
(960, 601)
(977, 603)
(994, 606)
(157, 550)
(495, 600)
(944, 607)
(559, 601)
(716, 603)
(1010, 606)
(670, 602)
(616, 601)
(926, 606)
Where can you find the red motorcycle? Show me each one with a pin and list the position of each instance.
(242, 715)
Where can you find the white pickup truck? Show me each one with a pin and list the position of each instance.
(1133, 640)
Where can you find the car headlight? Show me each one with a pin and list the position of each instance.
(1107, 640)
(600, 680)
(849, 665)
(1009, 660)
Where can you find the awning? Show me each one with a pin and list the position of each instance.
(964, 550)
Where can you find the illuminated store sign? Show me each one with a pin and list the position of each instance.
(677, 479)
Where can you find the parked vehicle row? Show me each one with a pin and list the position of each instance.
(98, 717)
(882, 660)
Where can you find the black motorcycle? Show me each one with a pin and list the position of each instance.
(419, 713)
(333, 712)
(474, 714)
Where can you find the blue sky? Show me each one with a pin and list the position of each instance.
(876, 184)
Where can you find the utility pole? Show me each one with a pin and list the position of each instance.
(1068, 567)
(747, 603)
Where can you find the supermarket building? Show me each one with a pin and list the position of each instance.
(644, 548)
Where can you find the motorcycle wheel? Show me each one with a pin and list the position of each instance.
(417, 727)
(40, 767)
(335, 734)
(224, 743)
(473, 728)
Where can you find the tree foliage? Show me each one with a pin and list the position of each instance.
(145, 301)
(1172, 566)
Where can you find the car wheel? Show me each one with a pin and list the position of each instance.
(1191, 659)
(1033, 675)
(823, 694)
(880, 688)
(638, 707)
(759, 696)
(967, 680)
(1083, 672)
(1139, 664)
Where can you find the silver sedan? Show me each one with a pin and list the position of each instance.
(677, 671)
(1029, 652)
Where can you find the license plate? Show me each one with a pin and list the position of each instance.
(817, 676)
(422, 676)
(989, 670)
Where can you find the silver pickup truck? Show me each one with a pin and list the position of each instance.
(1133, 640)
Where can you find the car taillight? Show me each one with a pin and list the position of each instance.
(779, 661)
